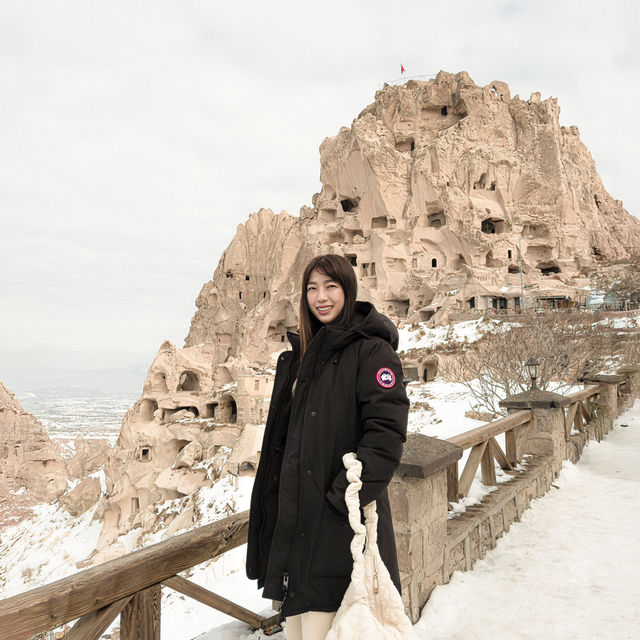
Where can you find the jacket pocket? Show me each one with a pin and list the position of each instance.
(331, 555)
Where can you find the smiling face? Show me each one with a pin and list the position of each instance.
(325, 297)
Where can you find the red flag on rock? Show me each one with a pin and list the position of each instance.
(401, 68)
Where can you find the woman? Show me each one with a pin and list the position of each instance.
(338, 390)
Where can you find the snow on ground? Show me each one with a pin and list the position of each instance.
(569, 569)
(438, 409)
(421, 337)
(631, 321)
(44, 548)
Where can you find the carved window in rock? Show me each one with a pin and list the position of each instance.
(353, 259)
(408, 144)
(481, 183)
(256, 384)
(247, 468)
(247, 278)
(426, 314)
(399, 307)
(498, 303)
(444, 111)
(209, 410)
(513, 269)
(135, 505)
(488, 226)
(349, 204)
(414, 263)
(228, 274)
(549, 268)
(437, 220)
(471, 302)
(368, 269)
(189, 381)
(509, 253)
(380, 222)
(143, 453)
(227, 410)
(434, 262)
(430, 371)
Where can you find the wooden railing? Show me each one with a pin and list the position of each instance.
(130, 587)
(583, 411)
(485, 449)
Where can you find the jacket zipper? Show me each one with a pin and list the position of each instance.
(285, 588)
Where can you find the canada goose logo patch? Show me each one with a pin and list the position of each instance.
(386, 378)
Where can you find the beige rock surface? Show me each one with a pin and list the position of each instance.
(90, 456)
(433, 193)
(437, 193)
(82, 497)
(28, 459)
(179, 435)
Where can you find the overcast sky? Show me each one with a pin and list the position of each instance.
(136, 136)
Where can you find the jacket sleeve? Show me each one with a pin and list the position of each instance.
(384, 408)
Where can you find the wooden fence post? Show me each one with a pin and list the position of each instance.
(140, 619)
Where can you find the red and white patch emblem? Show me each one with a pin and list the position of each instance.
(386, 378)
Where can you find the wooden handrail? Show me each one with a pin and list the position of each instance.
(584, 393)
(52, 605)
(481, 434)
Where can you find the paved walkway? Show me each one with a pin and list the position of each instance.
(569, 569)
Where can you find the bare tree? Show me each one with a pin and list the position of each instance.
(621, 280)
(566, 345)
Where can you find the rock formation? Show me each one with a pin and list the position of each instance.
(193, 423)
(448, 198)
(28, 458)
(436, 193)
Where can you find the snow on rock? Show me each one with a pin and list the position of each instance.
(438, 409)
(44, 548)
(420, 337)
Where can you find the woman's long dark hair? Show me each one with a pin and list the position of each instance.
(339, 269)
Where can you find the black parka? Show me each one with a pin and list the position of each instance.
(349, 396)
